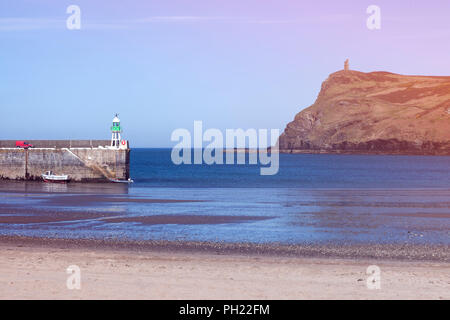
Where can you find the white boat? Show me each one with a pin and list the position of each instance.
(49, 176)
(121, 181)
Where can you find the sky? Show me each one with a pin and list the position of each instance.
(163, 64)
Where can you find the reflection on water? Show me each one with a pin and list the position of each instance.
(43, 187)
(261, 215)
(54, 187)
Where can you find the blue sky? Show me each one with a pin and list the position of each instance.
(164, 64)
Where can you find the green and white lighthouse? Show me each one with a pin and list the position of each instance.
(116, 131)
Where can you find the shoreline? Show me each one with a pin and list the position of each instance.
(376, 152)
(364, 153)
(39, 272)
(385, 252)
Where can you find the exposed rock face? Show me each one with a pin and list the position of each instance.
(377, 112)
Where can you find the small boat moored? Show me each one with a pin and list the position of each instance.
(121, 181)
(49, 176)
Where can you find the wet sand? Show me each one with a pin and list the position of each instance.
(388, 252)
(22, 216)
(34, 270)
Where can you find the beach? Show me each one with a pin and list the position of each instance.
(34, 270)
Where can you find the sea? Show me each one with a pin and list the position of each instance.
(314, 198)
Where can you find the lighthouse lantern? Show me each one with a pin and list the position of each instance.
(116, 131)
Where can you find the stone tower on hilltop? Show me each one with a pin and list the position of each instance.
(346, 65)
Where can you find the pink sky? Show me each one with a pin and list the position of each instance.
(164, 64)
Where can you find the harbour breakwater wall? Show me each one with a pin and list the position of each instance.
(82, 160)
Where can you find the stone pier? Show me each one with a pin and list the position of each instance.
(82, 160)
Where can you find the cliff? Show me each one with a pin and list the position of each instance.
(377, 112)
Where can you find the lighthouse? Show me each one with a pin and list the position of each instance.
(116, 131)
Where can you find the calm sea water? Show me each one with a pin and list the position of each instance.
(313, 199)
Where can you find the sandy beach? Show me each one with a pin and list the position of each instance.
(39, 272)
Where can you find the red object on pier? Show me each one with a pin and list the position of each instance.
(23, 144)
